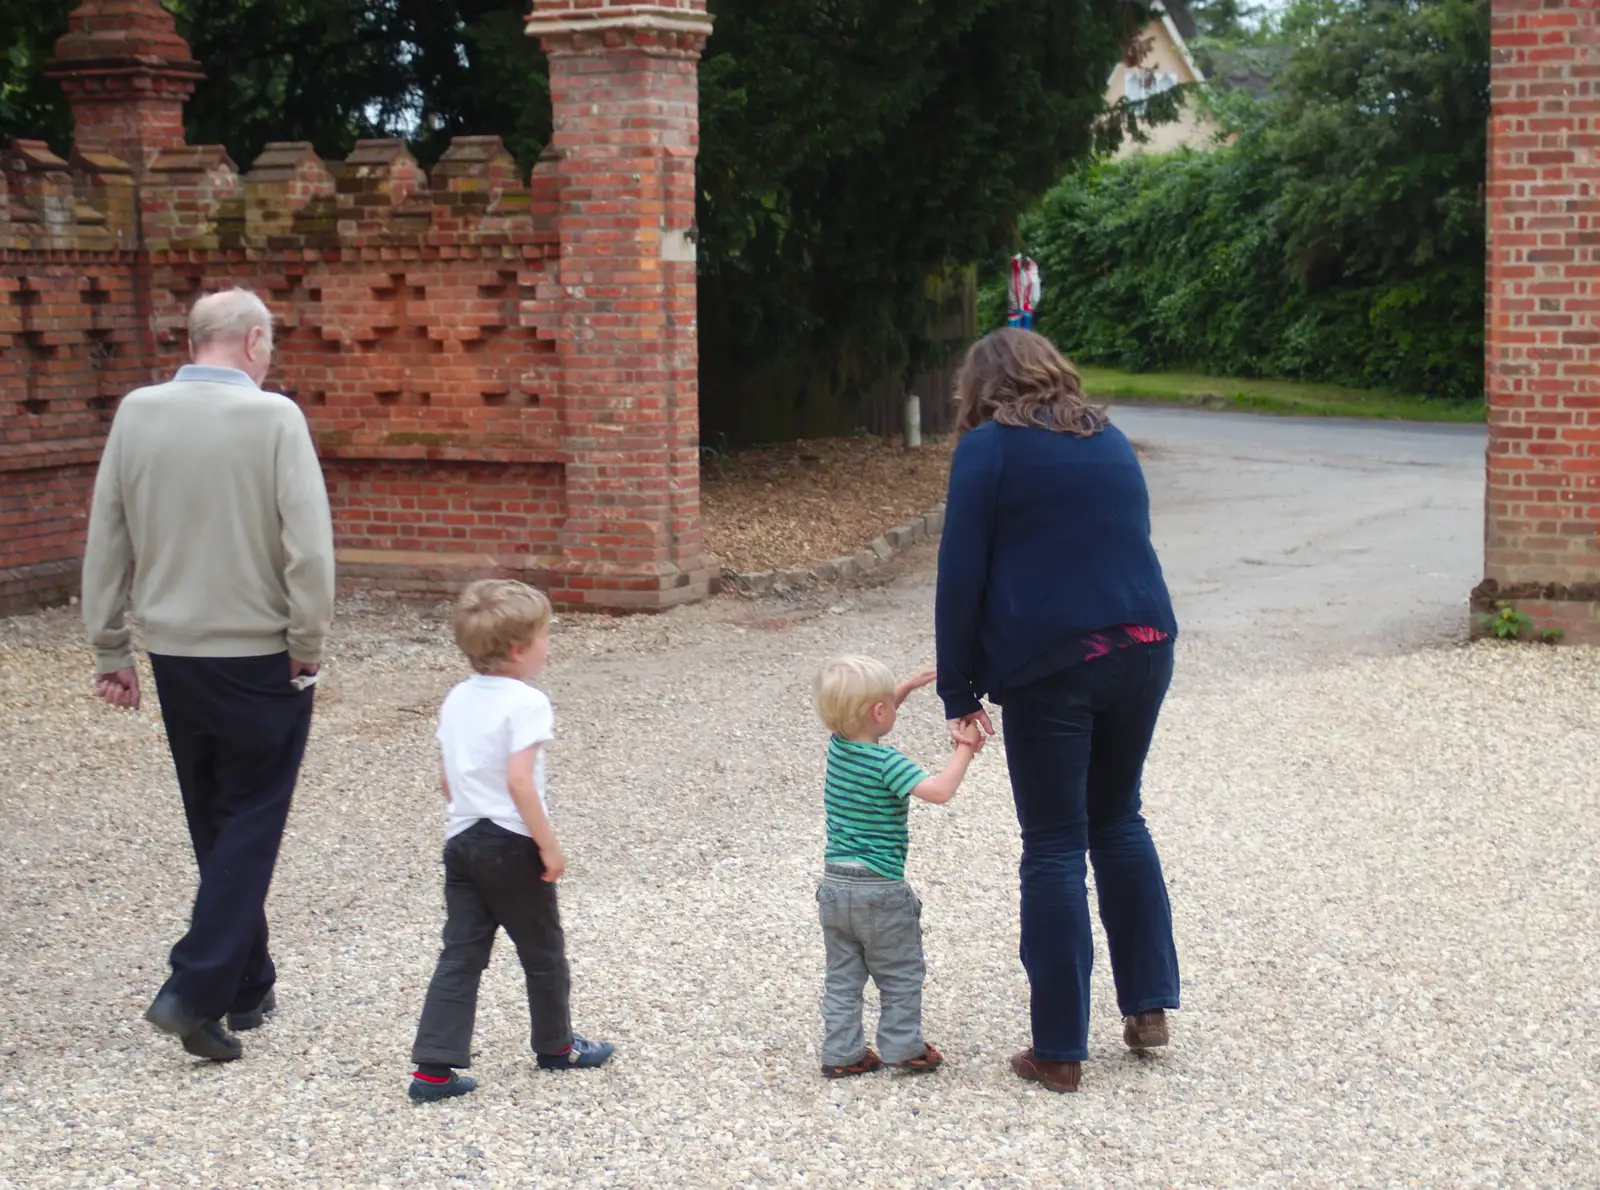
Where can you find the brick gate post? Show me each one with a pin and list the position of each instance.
(1542, 531)
(126, 73)
(624, 91)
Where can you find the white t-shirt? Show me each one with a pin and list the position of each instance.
(483, 721)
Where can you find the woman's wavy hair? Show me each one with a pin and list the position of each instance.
(1017, 378)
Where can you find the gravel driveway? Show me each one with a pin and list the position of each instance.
(1383, 868)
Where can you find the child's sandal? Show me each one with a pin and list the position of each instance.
(866, 1064)
(926, 1062)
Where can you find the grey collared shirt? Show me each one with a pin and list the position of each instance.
(212, 374)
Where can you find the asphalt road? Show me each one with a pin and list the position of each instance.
(1314, 534)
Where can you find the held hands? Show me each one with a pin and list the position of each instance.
(119, 688)
(972, 730)
(967, 736)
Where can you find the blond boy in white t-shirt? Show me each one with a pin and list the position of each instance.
(501, 857)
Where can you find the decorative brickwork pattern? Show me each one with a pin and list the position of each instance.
(71, 343)
(500, 371)
(1542, 541)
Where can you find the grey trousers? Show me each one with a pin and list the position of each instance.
(870, 926)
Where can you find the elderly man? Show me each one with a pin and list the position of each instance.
(210, 526)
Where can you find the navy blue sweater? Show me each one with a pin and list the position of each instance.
(1046, 537)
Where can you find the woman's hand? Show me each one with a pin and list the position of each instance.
(965, 729)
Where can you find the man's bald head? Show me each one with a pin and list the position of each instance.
(232, 329)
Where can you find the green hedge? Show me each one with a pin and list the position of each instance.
(1154, 263)
(1339, 238)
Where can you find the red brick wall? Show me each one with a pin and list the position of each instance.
(484, 402)
(437, 523)
(70, 345)
(1542, 541)
(42, 524)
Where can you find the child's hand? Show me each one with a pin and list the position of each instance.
(915, 682)
(555, 864)
(970, 736)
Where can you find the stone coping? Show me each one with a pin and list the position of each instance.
(927, 527)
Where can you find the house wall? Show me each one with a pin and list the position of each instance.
(1191, 129)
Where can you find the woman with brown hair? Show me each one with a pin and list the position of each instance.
(1051, 603)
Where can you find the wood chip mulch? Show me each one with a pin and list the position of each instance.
(775, 507)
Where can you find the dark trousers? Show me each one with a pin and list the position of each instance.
(237, 730)
(492, 879)
(1076, 744)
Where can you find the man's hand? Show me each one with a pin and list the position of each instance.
(915, 682)
(555, 864)
(299, 668)
(119, 688)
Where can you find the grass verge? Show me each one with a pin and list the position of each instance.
(1268, 396)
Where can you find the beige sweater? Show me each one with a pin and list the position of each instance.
(210, 512)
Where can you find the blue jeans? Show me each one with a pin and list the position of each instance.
(1076, 744)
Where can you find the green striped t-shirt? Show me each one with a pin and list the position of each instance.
(865, 798)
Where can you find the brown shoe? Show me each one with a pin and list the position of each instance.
(1146, 1031)
(1056, 1076)
(865, 1064)
(926, 1062)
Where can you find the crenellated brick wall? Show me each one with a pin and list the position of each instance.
(71, 343)
(499, 370)
(1542, 534)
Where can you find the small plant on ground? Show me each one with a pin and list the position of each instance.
(717, 454)
(1507, 622)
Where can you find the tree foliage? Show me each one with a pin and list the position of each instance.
(30, 104)
(1340, 237)
(852, 151)
(324, 71)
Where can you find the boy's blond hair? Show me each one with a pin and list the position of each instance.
(495, 615)
(847, 688)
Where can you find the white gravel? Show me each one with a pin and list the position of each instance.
(1383, 869)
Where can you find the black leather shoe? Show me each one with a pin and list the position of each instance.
(212, 1041)
(243, 1022)
(201, 1037)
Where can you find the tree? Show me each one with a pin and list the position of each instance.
(324, 71)
(851, 152)
(30, 104)
(1382, 134)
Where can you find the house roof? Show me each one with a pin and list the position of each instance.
(1177, 18)
(1182, 17)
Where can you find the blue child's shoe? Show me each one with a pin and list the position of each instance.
(430, 1090)
(582, 1054)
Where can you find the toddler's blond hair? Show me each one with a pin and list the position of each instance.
(495, 615)
(846, 689)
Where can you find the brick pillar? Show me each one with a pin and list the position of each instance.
(126, 74)
(624, 89)
(1542, 538)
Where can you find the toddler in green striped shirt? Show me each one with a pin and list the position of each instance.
(871, 918)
